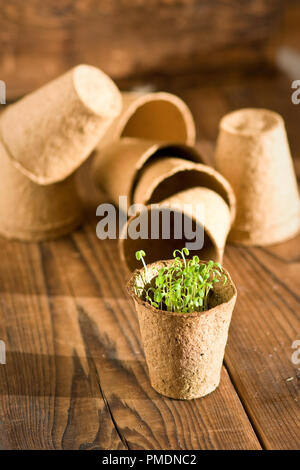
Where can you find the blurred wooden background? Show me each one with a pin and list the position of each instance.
(131, 39)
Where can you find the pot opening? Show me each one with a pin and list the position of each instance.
(157, 120)
(162, 223)
(186, 179)
(180, 151)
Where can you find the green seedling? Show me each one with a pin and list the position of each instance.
(140, 257)
(183, 286)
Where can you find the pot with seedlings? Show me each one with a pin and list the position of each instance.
(184, 308)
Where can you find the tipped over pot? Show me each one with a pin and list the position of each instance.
(44, 139)
(253, 153)
(49, 133)
(184, 351)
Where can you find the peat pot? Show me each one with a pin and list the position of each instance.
(184, 351)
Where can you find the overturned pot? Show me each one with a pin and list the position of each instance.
(184, 351)
(44, 139)
(50, 133)
(33, 212)
(253, 153)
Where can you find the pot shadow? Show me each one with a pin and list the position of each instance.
(75, 376)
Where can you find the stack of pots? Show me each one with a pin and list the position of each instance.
(44, 138)
(148, 156)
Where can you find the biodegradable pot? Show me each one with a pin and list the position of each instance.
(184, 351)
(44, 138)
(117, 167)
(253, 154)
(212, 223)
(32, 212)
(49, 133)
(165, 177)
(153, 116)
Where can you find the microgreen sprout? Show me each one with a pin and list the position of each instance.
(140, 257)
(182, 286)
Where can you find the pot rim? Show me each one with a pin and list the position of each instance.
(142, 99)
(185, 165)
(226, 126)
(184, 152)
(136, 298)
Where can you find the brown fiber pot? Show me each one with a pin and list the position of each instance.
(118, 166)
(184, 352)
(253, 153)
(165, 177)
(179, 212)
(50, 133)
(157, 116)
(33, 212)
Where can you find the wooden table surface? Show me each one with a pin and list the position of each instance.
(76, 377)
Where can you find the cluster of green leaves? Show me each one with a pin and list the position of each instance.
(184, 285)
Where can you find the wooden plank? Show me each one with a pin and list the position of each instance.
(48, 398)
(39, 41)
(258, 355)
(290, 33)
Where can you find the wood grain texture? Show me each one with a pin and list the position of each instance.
(40, 40)
(259, 353)
(76, 376)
